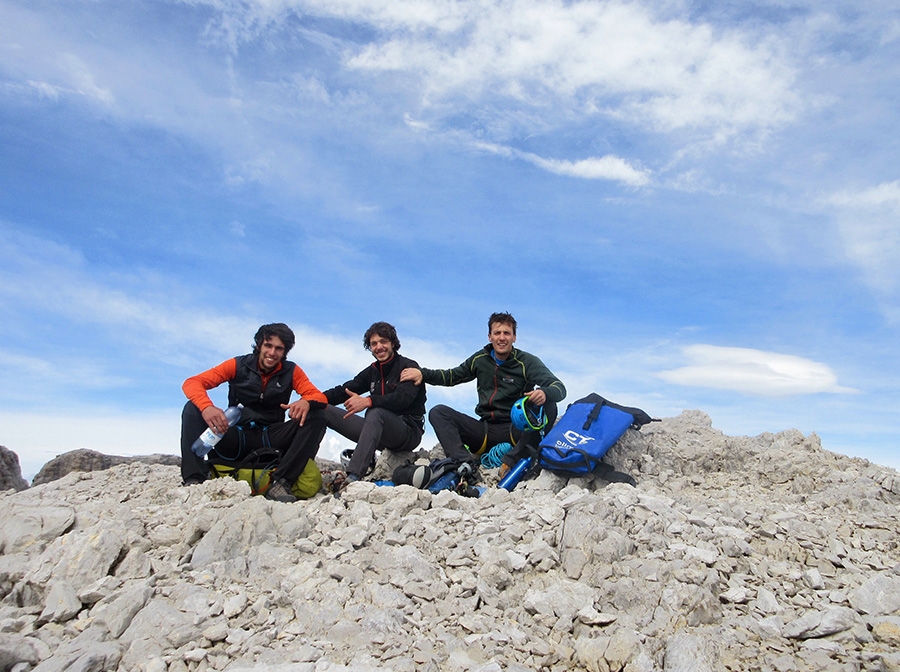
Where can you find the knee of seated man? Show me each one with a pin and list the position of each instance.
(438, 411)
(316, 416)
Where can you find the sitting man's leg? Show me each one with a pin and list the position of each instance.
(457, 430)
(527, 443)
(381, 429)
(297, 445)
(193, 468)
(349, 427)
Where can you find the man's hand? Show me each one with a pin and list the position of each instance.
(536, 397)
(355, 403)
(215, 418)
(297, 410)
(415, 375)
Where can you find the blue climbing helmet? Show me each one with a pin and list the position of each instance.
(526, 417)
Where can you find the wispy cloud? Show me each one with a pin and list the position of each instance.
(607, 167)
(869, 223)
(50, 70)
(171, 325)
(604, 167)
(611, 59)
(756, 372)
(42, 373)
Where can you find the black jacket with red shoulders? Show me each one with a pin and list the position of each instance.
(382, 382)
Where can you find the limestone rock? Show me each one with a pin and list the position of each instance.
(90, 460)
(10, 471)
(738, 553)
(879, 596)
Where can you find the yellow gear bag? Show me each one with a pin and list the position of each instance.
(259, 477)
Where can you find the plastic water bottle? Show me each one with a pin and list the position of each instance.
(511, 480)
(452, 479)
(208, 439)
(448, 481)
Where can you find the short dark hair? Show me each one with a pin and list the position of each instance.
(278, 329)
(384, 330)
(502, 318)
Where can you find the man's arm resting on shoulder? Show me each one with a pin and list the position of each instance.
(411, 375)
(444, 377)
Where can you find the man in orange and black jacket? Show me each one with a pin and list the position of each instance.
(263, 381)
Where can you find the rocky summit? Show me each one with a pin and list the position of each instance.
(731, 553)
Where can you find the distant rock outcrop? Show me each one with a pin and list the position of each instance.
(731, 553)
(10, 471)
(90, 460)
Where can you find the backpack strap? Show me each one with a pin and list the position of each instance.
(594, 414)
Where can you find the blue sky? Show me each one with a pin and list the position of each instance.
(686, 205)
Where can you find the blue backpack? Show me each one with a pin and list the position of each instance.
(587, 430)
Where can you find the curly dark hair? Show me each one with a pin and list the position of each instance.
(502, 318)
(278, 329)
(384, 330)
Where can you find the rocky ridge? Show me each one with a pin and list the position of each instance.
(732, 553)
(90, 460)
(10, 471)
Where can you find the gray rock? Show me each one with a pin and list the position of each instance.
(711, 562)
(822, 623)
(25, 527)
(689, 653)
(16, 650)
(83, 655)
(10, 471)
(62, 603)
(117, 612)
(879, 596)
(90, 460)
(79, 558)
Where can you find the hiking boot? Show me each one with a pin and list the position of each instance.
(341, 481)
(192, 481)
(279, 491)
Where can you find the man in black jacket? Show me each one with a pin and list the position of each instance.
(394, 410)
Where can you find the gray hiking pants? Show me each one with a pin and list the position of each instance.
(379, 429)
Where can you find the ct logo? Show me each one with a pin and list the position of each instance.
(577, 439)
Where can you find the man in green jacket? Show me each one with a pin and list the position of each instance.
(503, 375)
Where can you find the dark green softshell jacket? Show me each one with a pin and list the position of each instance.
(499, 386)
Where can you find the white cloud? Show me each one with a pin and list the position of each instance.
(607, 167)
(755, 372)
(595, 168)
(66, 291)
(612, 58)
(518, 67)
(622, 60)
(885, 195)
(50, 69)
(49, 373)
(869, 224)
(44, 278)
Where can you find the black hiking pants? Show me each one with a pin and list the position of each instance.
(457, 430)
(294, 444)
